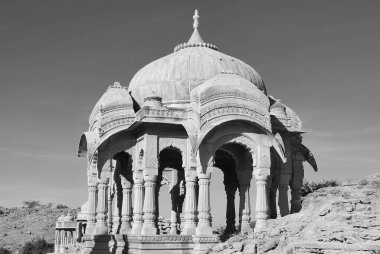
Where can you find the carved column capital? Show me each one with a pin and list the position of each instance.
(150, 178)
(125, 184)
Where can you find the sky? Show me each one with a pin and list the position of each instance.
(57, 58)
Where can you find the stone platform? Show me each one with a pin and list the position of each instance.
(146, 244)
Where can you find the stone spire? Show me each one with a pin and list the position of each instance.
(195, 18)
(195, 39)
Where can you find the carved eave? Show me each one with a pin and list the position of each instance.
(163, 115)
(213, 114)
(116, 123)
(306, 153)
(285, 122)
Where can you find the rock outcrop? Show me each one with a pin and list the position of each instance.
(341, 219)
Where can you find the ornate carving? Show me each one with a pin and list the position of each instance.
(162, 113)
(265, 161)
(213, 113)
(160, 238)
(260, 100)
(110, 123)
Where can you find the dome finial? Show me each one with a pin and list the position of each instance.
(196, 19)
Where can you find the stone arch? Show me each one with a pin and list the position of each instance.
(243, 140)
(171, 175)
(88, 144)
(178, 143)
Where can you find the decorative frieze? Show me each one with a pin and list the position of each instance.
(212, 113)
(110, 123)
(161, 113)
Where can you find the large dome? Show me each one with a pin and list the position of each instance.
(174, 76)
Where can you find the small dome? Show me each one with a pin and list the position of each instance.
(68, 217)
(284, 117)
(278, 110)
(116, 97)
(295, 120)
(230, 85)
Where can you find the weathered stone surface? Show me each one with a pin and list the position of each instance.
(342, 219)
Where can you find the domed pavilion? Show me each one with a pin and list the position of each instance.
(181, 117)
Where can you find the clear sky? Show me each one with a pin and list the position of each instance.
(321, 58)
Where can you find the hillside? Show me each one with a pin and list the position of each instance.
(341, 219)
(19, 225)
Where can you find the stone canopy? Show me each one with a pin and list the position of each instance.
(181, 117)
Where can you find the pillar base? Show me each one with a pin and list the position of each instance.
(296, 206)
(261, 225)
(203, 230)
(125, 229)
(246, 228)
(120, 245)
(101, 229)
(189, 229)
(97, 244)
(90, 228)
(149, 230)
(136, 229)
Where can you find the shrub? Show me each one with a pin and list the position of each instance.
(31, 203)
(310, 187)
(37, 246)
(4, 251)
(60, 206)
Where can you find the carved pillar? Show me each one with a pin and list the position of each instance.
(75, 237)
(126, 210)
(101, 216)
(204, 217)
(116, 211)
(245, 223)
(138, 190)
(283, 200)
(109, 205)
(261, 202)
(174, 197)
(56, 241)
(272, 198)
(269, 185)
(149, 226)
(296, 182)
(92, 197)
(61, 245)
(190, 217)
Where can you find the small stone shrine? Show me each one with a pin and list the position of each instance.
(181, 117)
